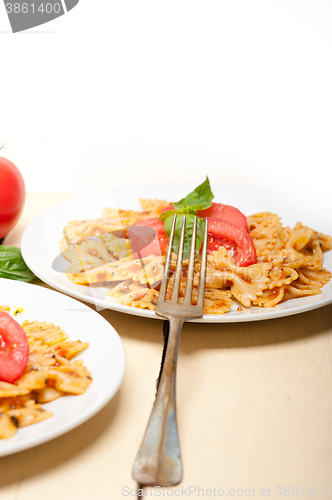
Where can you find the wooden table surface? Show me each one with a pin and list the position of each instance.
(254, 411)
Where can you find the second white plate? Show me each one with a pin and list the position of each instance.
(105, 359)
(40, 240)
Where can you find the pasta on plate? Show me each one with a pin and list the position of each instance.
(49, 375)
(289, 262)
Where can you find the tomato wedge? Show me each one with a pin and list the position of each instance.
(170, 207)
(14, 349)
(245, 252)
(214, 242)
(148, 237)
(220, 211)
(225, 212)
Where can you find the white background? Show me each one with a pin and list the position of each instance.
(119, 92)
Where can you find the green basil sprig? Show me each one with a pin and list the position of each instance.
(12, 265)
(199, 199)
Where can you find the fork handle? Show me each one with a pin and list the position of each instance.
(158, 462)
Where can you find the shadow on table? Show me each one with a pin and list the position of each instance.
(61, 451)
(258, 333)
(223, 335)
(227, 335)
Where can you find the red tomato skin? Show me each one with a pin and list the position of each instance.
(214, 242)
(245, 254)
(167, 208)
(220, 211)
(225, 212)
(159, 243)
(12, 195)
(14, 349)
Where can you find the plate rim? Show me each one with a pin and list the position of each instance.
(242, 317)
(87, 415)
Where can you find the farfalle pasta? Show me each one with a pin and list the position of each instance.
(289, 262)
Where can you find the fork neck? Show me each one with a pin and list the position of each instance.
(172, 350)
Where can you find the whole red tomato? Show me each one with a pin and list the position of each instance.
(12, 195)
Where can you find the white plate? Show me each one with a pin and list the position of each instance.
(105, 359)
(40, 240)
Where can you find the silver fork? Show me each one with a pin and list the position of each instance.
(158, 462)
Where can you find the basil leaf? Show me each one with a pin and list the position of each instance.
(164, 215)
(199, 199)
(12, 265)
(188, 233)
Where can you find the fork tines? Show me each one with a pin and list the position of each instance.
(172, 308)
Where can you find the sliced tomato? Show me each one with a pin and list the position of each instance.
(148, 237)
(14, 349)
(233, 236)
(220, 211)
(225, 212)
(214, 242)
(245, 253)
(170, 207)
